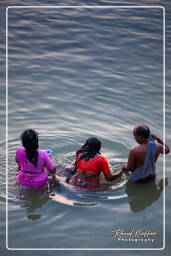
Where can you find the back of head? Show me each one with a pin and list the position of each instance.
(29, 140)
(90, 149)
(142, 130)
(92, 144)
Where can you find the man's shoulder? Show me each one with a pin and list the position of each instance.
(135, 149)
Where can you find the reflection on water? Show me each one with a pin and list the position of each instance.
(32, 199)
(63, 175)
(145, 194)
(140, 196)
(61, 199)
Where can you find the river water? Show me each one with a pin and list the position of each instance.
(74, 73)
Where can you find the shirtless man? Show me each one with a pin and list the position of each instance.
(142, 158)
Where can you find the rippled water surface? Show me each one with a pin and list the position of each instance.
(75, 73)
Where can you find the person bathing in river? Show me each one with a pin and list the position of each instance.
(142, 158)
(32, 161)
(89, 164)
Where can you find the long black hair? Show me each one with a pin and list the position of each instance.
(89, 150)
(29, 140)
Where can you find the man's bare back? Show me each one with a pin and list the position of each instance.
(138, 153)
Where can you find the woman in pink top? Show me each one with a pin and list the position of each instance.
(32, 163)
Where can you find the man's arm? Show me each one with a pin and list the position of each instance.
(131, 162)
(164, 149)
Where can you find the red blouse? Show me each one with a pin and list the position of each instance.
(96, 165)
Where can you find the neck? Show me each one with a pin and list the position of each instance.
(144, 141)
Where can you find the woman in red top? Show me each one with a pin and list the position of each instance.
(88, 165)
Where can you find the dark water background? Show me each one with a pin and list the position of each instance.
(76, 73)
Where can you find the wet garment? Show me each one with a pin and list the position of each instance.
(91, 181)
(29, 174)
(94, 165)
(147, 169)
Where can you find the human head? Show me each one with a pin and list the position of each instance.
(92, 145)
(29, 139)
(141, 133)
(90, 149)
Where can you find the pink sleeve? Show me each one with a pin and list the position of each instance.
(17, 155)
(48, 163)
(17, 158)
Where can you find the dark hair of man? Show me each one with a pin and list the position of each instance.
(142, 130)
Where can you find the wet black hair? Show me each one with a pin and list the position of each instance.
(90, 149)
(142, 130)
(30, 140)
